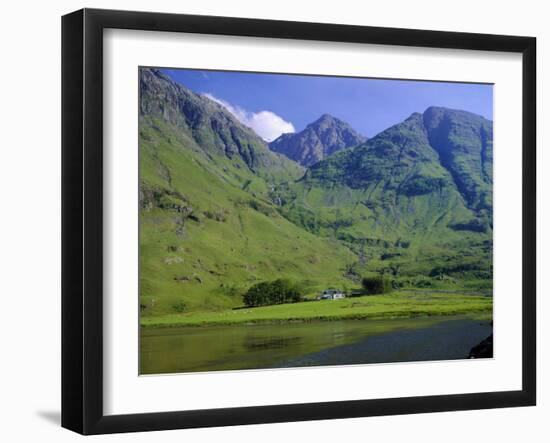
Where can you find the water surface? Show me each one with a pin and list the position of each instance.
(215, 348)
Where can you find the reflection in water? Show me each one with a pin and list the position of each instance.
(253, 343)
(214, 348)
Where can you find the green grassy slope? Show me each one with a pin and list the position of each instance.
(208, 231)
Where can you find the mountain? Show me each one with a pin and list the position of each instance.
(219, 211)
(441, 152)
(317, 141)
(209, 125)
(209, 228)
(425, 183)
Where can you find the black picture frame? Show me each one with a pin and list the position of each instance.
(82, 218)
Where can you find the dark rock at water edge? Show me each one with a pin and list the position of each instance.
(484, 349)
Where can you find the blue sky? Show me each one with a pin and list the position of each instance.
(276, 103)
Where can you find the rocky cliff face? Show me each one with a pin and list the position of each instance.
(464, 142)
(207, 123)
(317, 141)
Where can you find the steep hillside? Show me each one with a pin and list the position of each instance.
(464, 142)
(208, 229)
(414, 199)
(317, 141)
(212, 129)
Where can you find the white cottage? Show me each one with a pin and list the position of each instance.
(331, 294)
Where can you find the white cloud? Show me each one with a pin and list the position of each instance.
(266, 124)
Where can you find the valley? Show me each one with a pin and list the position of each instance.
(222, 210)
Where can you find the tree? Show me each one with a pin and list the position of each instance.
(376, 285)
(272, 293)
(395, 269)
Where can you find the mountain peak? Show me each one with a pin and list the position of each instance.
(328, 120)
(439, 112)
(323, 118)
(432, 109)
(318, 140)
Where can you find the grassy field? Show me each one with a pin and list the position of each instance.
(402, 304)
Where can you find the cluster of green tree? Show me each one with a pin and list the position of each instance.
(376, 285)
(272, 293)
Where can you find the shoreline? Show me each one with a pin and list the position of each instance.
(481, 315)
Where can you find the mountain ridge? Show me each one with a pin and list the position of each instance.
(395, 190)
(210, 125)
(459, 144)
